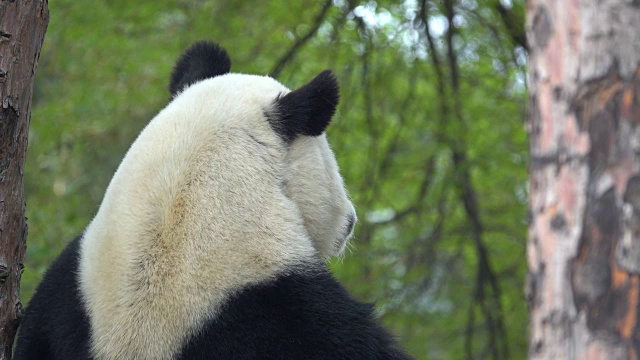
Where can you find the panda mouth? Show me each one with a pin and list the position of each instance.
(347, 234)
(351, 222)
(342, 245)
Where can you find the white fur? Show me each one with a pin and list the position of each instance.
(314, 182)
(207, 201)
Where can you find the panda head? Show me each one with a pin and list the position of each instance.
(231, 184)
(286, 130)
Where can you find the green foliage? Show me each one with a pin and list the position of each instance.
(104, 71)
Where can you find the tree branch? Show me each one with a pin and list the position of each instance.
(493, 312)
(437, 65)
(290, 54)
(514, 26)
(462, 178)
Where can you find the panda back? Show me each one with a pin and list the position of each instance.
(300, 315)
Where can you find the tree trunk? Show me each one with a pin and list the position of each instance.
(584, 121)
(22, 27)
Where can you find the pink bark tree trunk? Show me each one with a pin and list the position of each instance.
(584, 121)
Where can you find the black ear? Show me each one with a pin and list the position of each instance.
(307, 110)
(201, 61)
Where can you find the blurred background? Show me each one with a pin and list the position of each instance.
(429, 136)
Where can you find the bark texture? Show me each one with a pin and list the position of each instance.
(22, 27)
(584, 123)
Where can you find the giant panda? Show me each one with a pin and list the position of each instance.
(211, 239)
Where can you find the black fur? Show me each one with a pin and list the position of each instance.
(55, 324)
(307, 110)
(300, 315)
(201, 61)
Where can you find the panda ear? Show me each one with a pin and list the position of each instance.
(201, 61)
(307, 110)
